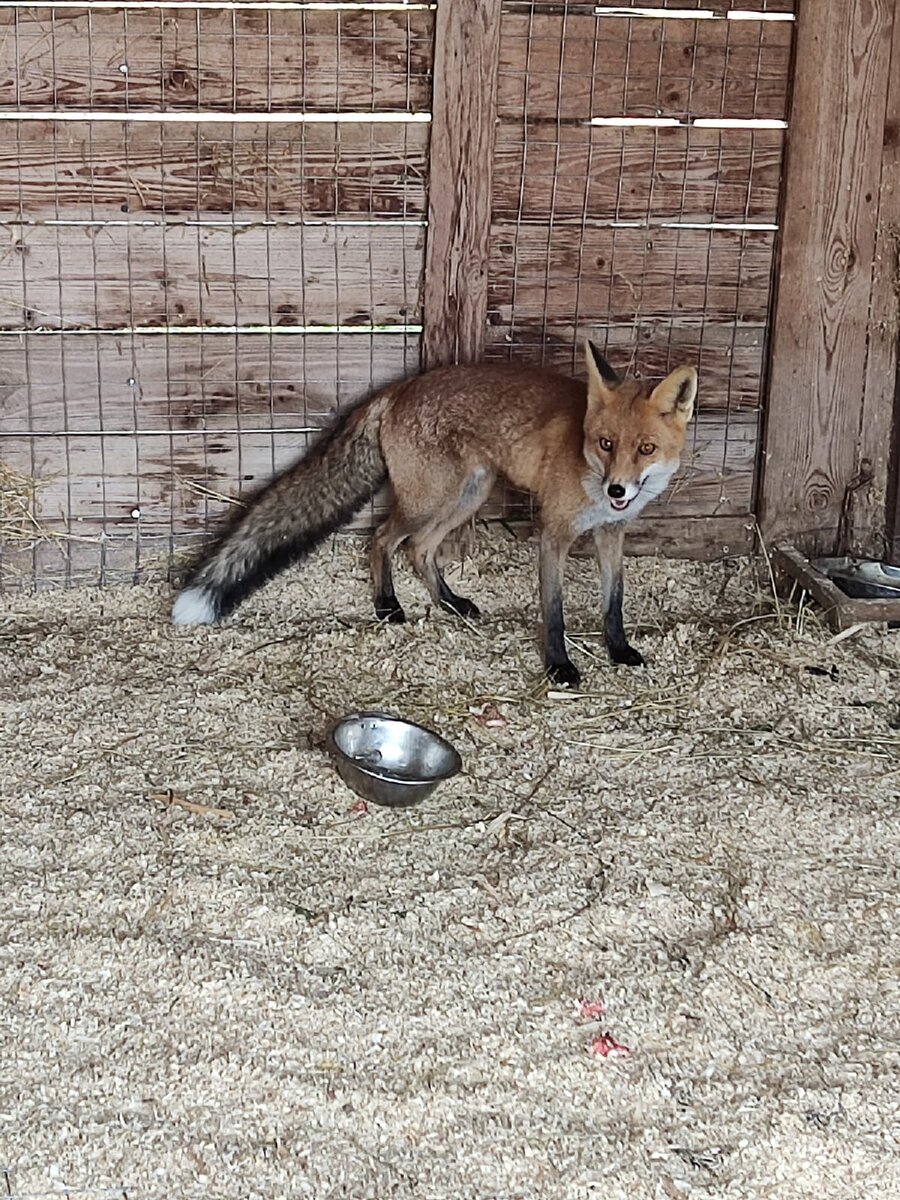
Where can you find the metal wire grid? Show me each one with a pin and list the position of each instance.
(172, 394)
(218, 173)
(699, 210)
(243, 56)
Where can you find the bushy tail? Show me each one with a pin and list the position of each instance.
(290, 517)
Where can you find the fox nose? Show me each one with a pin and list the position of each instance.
(615, 491)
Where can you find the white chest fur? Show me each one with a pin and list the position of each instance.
(599, 511)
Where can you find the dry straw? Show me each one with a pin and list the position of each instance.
(18, 508)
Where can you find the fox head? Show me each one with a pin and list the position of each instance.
(633, 434)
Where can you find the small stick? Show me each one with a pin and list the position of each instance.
(203, 810)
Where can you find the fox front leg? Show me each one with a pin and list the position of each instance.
(559, 667)
(609, 540)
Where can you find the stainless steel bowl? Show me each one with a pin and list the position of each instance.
(390, 761)
(862, 579)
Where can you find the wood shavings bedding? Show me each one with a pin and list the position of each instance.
(249, 989)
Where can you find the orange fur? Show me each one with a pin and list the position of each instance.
(592, 455)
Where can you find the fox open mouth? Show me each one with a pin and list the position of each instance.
(619, 505)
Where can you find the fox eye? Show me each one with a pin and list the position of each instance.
(646, 447)
(605, 444)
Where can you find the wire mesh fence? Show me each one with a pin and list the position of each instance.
(636, 199)
(212, 237)
(213, 224)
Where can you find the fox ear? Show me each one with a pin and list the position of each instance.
(675, 396)
(600, 374)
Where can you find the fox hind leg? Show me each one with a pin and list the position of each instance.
(427, 540)
(387, 538)
(461, 605)
(425, 562)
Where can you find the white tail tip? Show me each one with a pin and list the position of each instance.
(194, 606)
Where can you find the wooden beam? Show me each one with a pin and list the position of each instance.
(730, 354)
(153, 554)
(812, 463)
(466, 57)
(841, 611)
(98, 172)
(723, 276)
(245, 59)
(572, 173)
(705, 539)
(144, 383)
(877, 522)
(875, 516)
(566, 65)
(117, 276)
(892, 532)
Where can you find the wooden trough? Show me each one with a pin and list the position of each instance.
(840, 610)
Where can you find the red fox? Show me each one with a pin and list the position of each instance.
(592, 455)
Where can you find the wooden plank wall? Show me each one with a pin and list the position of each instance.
(198, 262)
(829, 472)
(467, 44)
(620, 214)
(876, 530)
(213, 231)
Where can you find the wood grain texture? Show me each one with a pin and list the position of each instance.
(557, 274)
(132, 433)
(702, 538)
(841, 611)
(467, 38)
(148, 483)
(126, 558)
(242, 60)
(717, 6)
(892, 522)
(876, 508)
(96, 171)
(729, 358)
(153, 484)
(825, 279)
(572, 67)
(80, 383)
(602, 173)
(118, 276)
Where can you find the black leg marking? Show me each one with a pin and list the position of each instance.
(453, 603)
(616, 642)
(559, 667)
(387, 606)
(565, 674)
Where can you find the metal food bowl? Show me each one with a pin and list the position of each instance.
(390, 761)
(861, 579)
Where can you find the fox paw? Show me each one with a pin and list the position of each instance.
(462, 607)
(390, 611)
(564, 674)
(626, 655)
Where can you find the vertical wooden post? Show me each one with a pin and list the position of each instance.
(813, 461)
(876, 532)
(466, 58)
(892, 533)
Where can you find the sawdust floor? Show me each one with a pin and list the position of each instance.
(296, 999)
